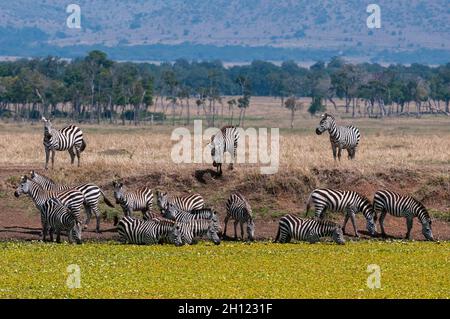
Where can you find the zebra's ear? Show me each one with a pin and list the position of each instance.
(32, 173)
(44, 119)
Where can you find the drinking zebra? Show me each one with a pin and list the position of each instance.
(348, 202)
(140, 199)
(69, 138)
(186, 203)
(91, 194)
(402, 206)
(147, 232)
(198, 228)
(55, 217)
(341, 137)
(307, 229)
(224, 141)
(240, 211)
(73, 199)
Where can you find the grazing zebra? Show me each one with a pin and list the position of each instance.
(341, 137)
(239, 209)
(55, 217)
(224, 141)
(174, 213)
(308, 229)
(140, 199)
(198, 228)
(186, 203)
(91, 194)
(402, 206)
(70, 139)
(348, 202)
(72, 198)
(147, 232)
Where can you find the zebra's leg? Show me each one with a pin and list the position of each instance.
(333, 148)
(88, 216)
(235, 229)
(97, 218)
(352, 216)
(77, 151)
(225, 228)
(58, 236)
(409, 224)
(382, 216)
(50, 233)
(339, 152)
(44, 231)
(70, 235)
(72, 155)
(242, 230)
(53, 158)
(47, 157)
(347, 216)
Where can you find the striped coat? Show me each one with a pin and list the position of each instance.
(239, 210)
(186, 203)
(138, 200)
(224, 141)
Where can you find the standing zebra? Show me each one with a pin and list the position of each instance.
(402, 206)
(174, 213)
(145, 232)
(198, 228)
(341, 137)
(72, 198)
(70, 139)
(91, 194)
(140, 199)
(186, 203)
(309, 229)
(348, 202)
(56, 217)
(239, 209)
(224, 141)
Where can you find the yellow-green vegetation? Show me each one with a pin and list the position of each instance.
(231, 270)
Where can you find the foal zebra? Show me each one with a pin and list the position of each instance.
(91, 194)
(55, 217)
(341, 137)
(145, 232)
(72, 198)
(198, 228)
(402, 206)
(309, 229)
(69, 138)
(224, 141)
(239, 209)
(348, 202)
(186, 203)
(140, 199)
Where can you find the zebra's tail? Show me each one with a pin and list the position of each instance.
(83, 145)
(107, 201)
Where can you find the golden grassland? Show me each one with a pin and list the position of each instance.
(231, 270)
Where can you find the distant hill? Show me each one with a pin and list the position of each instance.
(231, 30)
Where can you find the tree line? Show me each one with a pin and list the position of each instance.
(97, 89)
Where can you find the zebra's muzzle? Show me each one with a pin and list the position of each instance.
(16, 194)
(318, 132)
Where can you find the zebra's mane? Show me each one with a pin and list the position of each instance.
(421, 207)
(45, 177)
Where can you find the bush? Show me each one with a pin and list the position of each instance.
(316, 106)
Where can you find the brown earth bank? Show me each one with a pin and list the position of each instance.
(271, 196)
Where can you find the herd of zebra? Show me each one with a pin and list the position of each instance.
(182, 220)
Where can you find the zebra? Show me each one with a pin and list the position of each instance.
(72, 198)
(69, 138)
(308, 229)
(386, 201)
(348, 202)
(91, 194)
(140, 199)
(55, 217)
(224, 141)
(198, 228)
(186, 203)
(341, 137)
(239, 209)
(174, 213)
(145, 232)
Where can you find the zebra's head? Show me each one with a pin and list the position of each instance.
(338, 236)
(162, 200)
(426, 230)
(24, 186)
(251, 230)
(47, 126)
(326, 122)
(369, 213)
(175, 235)
(118, 191)
(213, 231)
(76, 232)
(169, 211)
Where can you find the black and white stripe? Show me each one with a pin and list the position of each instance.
(73, 199)
(147, 232)
(224, 141)
(186, 203)
(347, 202)
(198, 228)
(341, 137)
(137, 200)
(90, 191)
(402, 206)
(174, 213)
(240, 211)
(55, 217)
(69, 138)
(307, 229)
